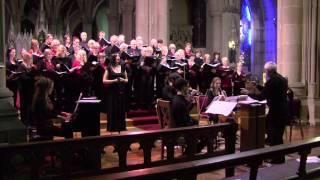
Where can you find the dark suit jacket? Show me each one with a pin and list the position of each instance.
(275, 92)
(180, 111)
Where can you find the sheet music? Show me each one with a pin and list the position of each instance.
(249, 100)
(89, 101)
(221, 107)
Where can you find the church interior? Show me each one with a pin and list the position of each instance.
(170, 89)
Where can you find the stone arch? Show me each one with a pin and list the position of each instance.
(101, 22)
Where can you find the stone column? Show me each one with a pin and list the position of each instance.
(214, 23)
(142, 19)
(11, 129)
(152, 19)
(230, 26)
(311, 58)
(289, 52)
(113, 17)
(127, 19)
(162, 20)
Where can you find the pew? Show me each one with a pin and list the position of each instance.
(82, 157)
(253, 158)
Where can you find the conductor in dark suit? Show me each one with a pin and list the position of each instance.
(275, 92)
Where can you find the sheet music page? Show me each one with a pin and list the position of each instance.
(221, 107)
(89, 101)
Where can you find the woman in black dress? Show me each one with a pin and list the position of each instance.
(115, 77)
(12, 76)
(43, 112)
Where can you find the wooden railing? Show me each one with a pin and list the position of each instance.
(82, 157)
(252, 158)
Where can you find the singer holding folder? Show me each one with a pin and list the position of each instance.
(116, 78)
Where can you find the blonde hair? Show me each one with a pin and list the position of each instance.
(82, 56)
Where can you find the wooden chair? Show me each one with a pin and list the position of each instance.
(202, 103)
(164, 114)
(295, 109)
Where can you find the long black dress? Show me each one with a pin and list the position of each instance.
(116, 102)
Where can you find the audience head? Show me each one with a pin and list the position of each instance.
(154, 43)
(123, 47)
(67, 39)
(95, 48)
(270, 68)
(27, 58)
(215, 83)
(102, 34)
(148, 51)
(49, 39)
(115, 59)
(11, 53)
(114, 40)
(181, 85)
(172, 48)
(160, 43)
(91, 44)
(198, 54)
(102, 57)
(216, 55)
(61, 51)
(207, 58)
(188, 47)
(172, 78)
(225, 61)
(34, 44)
(121, 39)
(47, 54)
(81, 56)
(43, 88)
(83, 36)
(133, 44)
(55, 44)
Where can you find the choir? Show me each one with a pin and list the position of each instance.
(123, 76)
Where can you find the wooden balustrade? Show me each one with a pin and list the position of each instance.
(253, 158)
(82, 157)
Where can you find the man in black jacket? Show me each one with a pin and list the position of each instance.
(275, 92)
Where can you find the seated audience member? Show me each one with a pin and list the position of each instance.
(215, 93)
(43, 112)
(181, 106)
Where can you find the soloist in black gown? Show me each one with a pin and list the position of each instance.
(116, 102)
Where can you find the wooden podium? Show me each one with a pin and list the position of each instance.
(252, 126)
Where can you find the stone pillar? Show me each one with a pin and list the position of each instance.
(152, 19)
(289, 52)
(230, 26)
(214, 22)
(311, 58)
(127, 19)
(11, 129)
(113, 17)
(142, 19)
